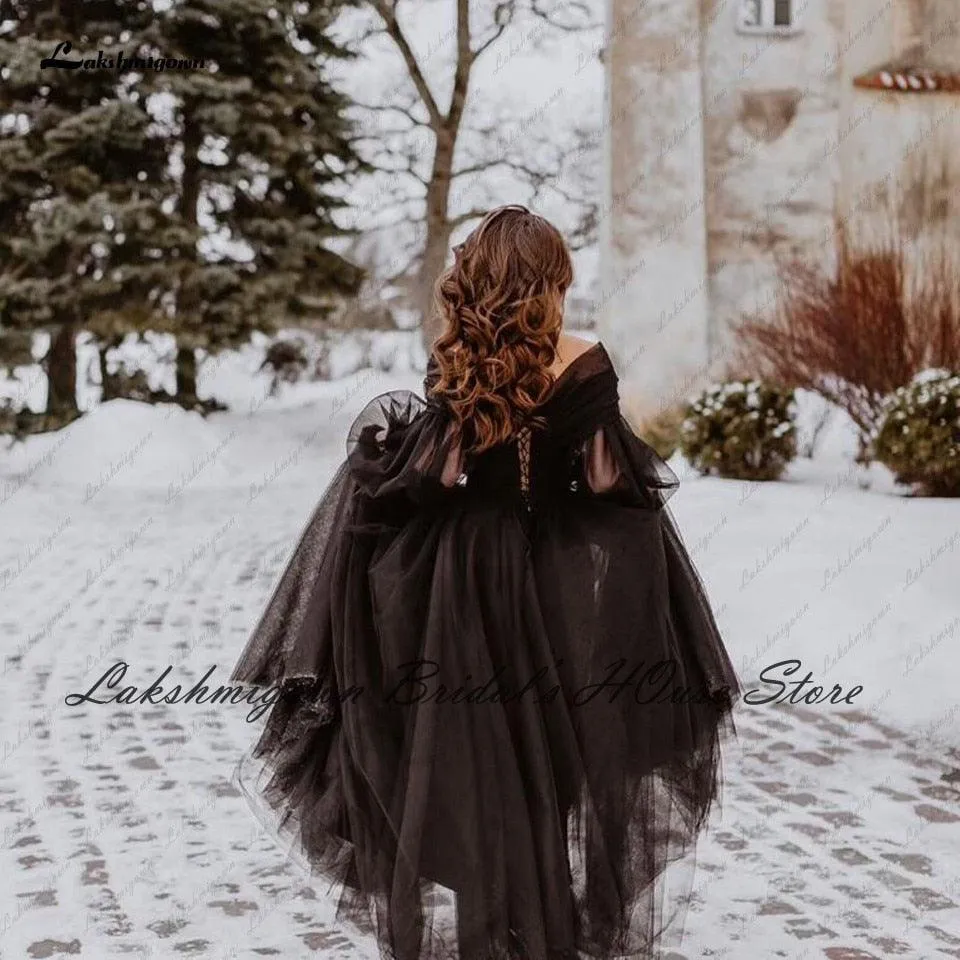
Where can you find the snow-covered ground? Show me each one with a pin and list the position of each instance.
(830, 566)
(152, 536)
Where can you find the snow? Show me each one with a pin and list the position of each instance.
(152, 535)
(872, 571)
(165, 440)
(857, 585)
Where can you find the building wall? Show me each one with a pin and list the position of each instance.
(725, 150)
(772, 164)
(653, 308)
(903, 150)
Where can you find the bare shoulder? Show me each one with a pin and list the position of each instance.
(569, 348)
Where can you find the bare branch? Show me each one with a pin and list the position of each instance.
(462, 218)
(502, 18)
(356, 43)
(549, 16)
(387, 13)
(479, 167)
(380, 132)
(410, 220)
(386, 201)
(404, 161)
(516, 165)
(461, 76)
(584, 234)
(393, 108)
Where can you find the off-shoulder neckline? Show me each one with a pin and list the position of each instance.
(597, 345)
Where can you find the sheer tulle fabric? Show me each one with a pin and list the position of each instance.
(448, 749)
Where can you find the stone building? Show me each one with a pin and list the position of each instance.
(739, 128)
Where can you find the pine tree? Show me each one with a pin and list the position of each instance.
(76, 165)
(261, 140)
(194, 201)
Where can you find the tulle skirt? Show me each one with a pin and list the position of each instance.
(499, 728)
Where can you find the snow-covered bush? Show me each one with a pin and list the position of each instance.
(743, 430)
(919, 436)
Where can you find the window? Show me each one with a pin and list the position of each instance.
(767, 16)
(752, 13)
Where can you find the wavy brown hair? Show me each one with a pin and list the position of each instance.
(502, 304)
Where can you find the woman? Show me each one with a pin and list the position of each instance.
(501, 687)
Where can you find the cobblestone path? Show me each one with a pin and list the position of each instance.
(838, 838)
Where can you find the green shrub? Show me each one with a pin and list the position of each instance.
(919, 435)
(743, 430)
(663, 431)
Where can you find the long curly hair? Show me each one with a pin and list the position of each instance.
(502, 304)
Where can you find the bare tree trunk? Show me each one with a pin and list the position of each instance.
(111, 384)
(439, 229)
(445, 127)
(187, 356)
(186, 376)
(108, 382)
(61, 366)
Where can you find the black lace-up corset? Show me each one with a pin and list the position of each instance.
(530, 469)
(545, 463)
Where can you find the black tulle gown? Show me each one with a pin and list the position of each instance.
(502, 687)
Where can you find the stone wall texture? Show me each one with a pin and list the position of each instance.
(653, 307)
(726, 150)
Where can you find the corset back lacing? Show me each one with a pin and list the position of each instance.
(523, 454)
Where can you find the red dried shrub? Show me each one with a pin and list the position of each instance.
(859, 329)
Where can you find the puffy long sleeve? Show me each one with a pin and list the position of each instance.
(400, 453)
(618, 464)
(622, 469)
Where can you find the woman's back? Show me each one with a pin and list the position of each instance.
(486, 556)
(545, 462)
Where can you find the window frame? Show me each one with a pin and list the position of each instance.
(768, 12)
